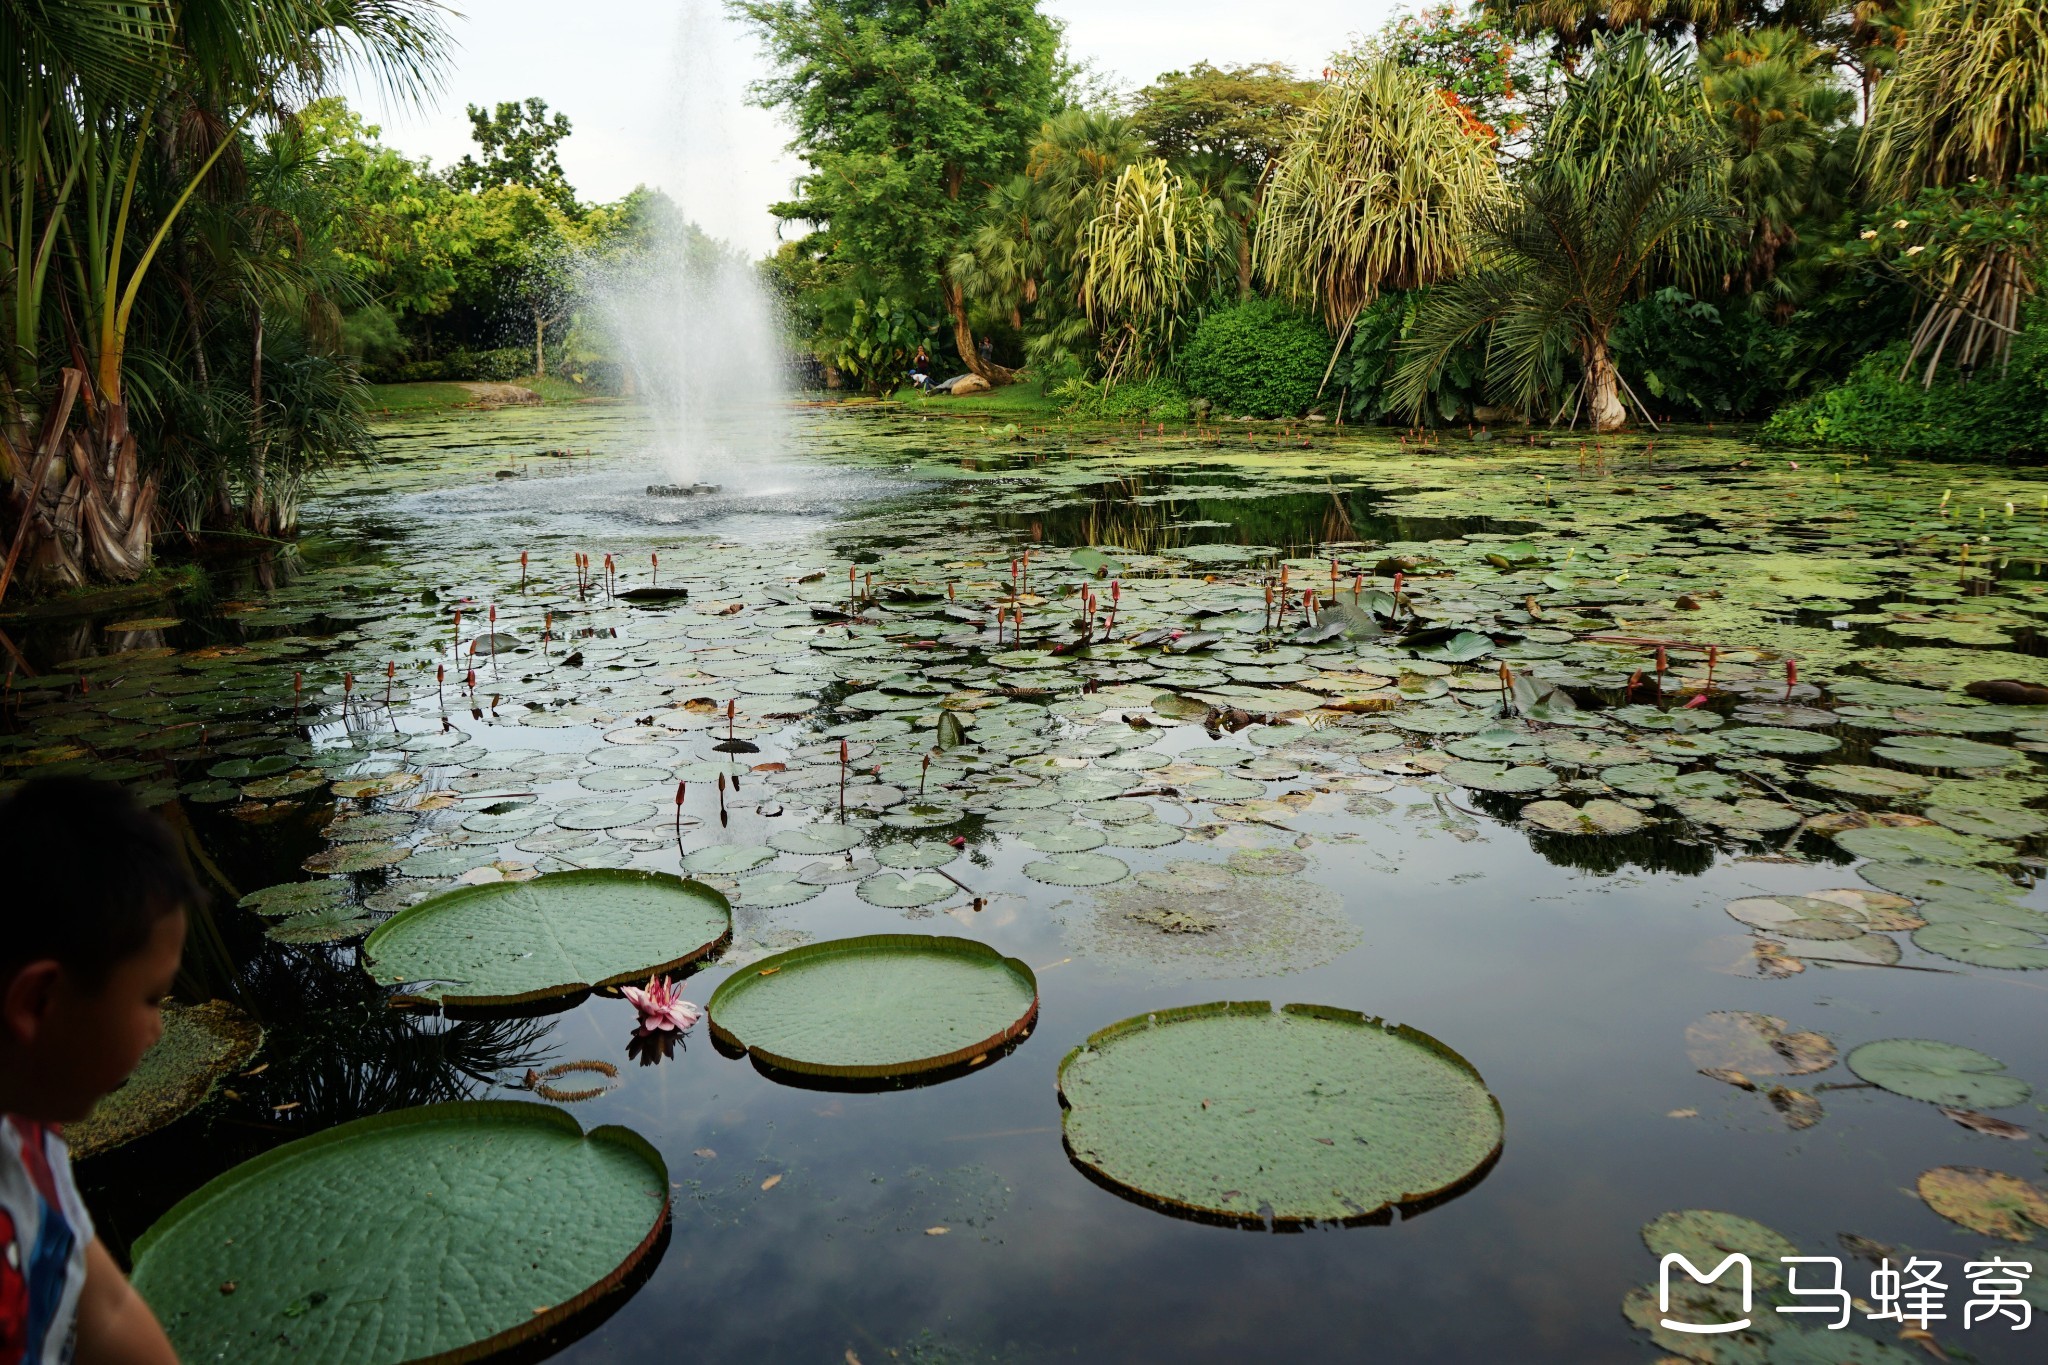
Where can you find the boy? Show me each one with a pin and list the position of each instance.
(91, 927)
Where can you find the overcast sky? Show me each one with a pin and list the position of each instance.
(655, 88)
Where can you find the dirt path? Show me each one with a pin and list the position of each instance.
(499, 395)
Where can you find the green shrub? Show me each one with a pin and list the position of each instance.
(1695, 361)
(1256, 359)
(1992, 417)
(1154, 400)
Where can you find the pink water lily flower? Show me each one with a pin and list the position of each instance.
(662, 1006)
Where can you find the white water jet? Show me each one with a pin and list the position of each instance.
(698, 336)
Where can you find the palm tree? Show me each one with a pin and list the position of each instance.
(79, 189)
(1966, 105)
(1779, 112)
(1147, 259)
(1379, 189)
(1625, 191)
(1021, 262)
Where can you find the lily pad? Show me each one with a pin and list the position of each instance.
(1852, 779)
(1755, 1045)
(1078, 869)
(728, 859)
(905, 890)
(1990, 1202)
(876, 1006)
(1944, 751)
(773, 890)
(328, 924)
(1983, 943)
(1595, 817)
(1920, 844)
(1304, 1114)
(1938, 1073)
(511, 942)
(816, 839)
(200, 1045)
(509, 1209)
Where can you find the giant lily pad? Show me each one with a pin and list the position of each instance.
(876, 1006)
(511, 942)
(200, 1045)
(1305, 1114)
(1939, 1073)
(1990, 1202)
(352, 1244)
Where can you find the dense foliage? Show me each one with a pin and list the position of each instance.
(1257, 359)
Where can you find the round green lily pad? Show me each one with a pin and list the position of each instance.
(815, 839)
(1983, 943)
(1855, 779)
(510, 942)
(729, 859)
(773, 890)
(905, 890)
(200, 1045)
(1306, 1114)
(1939, 1073)
(351, 1245)
(1921, 844)
(1078, 869)
(918, 855)
(876, 1006)
(603, 814)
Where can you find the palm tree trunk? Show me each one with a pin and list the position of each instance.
(540, 345)
(1603, 390)
(963, 337)
(259, 510)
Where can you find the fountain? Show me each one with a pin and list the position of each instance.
(698, 337)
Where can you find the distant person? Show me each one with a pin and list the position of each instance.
(921, 368)
(988, 350)
(90, 936)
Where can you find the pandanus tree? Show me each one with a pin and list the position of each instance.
(1965, 111)
(1625, 191)
(117, 112)
(1379, 188)
(1148, 259)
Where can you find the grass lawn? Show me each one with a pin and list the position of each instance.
(435, 397)
(415, 397)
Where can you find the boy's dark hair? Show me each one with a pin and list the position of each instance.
(89, 874)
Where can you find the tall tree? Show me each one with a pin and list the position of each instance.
(517, 143)
(1220, 128)
(1023, 261)
(1782, 119)
(1625, 191)
(908, 113)
(1377, 190)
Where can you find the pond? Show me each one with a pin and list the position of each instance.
(1182, 789)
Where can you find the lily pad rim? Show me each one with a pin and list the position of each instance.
(1409, 1203)
(526, 1111)
(487, 890)
(746, 978)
